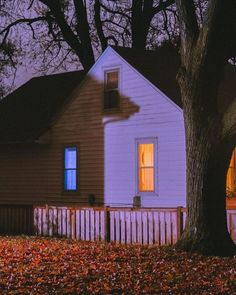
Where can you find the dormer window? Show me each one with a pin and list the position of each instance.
(111, 90)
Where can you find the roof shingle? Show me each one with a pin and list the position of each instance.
(25, 113)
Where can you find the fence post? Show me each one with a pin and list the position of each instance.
(47, 218)
(179, 222)
(107, 224)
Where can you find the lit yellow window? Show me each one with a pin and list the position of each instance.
(231, 175)
(146, 167)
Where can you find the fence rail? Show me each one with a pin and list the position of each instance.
(161, 226)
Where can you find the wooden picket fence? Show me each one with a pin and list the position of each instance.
(161, 226)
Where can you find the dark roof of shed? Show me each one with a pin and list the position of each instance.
(25, 113)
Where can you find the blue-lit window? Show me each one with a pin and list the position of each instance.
(70, 168)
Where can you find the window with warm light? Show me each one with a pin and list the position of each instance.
(146, 166)
(231, 176)
(70, 168)
(111, 90)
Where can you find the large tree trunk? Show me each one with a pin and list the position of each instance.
(208, 156)
(210, 131)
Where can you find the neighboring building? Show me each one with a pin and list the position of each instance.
(99, 138)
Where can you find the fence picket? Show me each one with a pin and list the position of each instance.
(159, 226)
(150, 228)
(145, 229)
(117, 226)
(133, 228)
(122, 226)
(168, 227)
(102, 223)
(77, 229)
(128, 227)
(87, 225)
(92, 225)
(112, 226)
(139, 226)
(174, 227)
(97, 226)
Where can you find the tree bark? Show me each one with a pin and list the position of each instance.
(207, 164)
(210, 140)
(210, 132)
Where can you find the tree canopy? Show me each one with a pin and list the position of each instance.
(59, 34)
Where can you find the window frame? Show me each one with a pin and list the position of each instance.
(231, 190)
(64, 190)
(146, 140)
(109, 70)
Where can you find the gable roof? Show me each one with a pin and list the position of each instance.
(159, 67)
(25, 113)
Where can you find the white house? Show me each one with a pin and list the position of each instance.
(116, 133)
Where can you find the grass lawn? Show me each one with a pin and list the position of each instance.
(30, 265)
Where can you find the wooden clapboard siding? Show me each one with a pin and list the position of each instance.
(159, 226)
(23, 174)
(149, 115)
(33, 174)
(85, 131)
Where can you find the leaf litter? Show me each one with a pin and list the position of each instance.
(34, 265)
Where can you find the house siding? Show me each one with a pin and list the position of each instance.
(80, 124)
(156, 118)
(106, 146)
(23, 174)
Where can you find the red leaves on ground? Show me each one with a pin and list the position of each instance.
(56, 266)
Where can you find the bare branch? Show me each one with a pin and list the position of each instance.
(67, 32)
(31, 4)
(118, 25)
(28, 21)
(111, 37)
(162, 6)
(115, 11)
(98, 23)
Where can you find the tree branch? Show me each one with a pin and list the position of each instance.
(117, 25)
(67, 32)
(115, 12)
(188, 25)
(98, 23)
(28, 21)
(162, 6)
(220, 20)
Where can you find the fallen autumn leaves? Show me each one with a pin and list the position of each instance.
(30, 265)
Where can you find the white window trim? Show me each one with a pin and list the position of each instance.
(156, 184)
(110, 68)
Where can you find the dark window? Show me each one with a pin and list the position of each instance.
(70, 168)
(111, 90)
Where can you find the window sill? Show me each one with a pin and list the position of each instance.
(147, 194)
